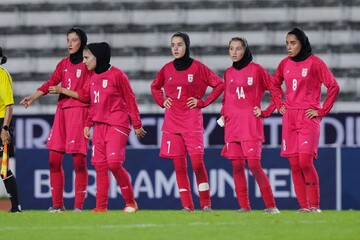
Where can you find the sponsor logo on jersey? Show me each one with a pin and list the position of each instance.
(104, 83)
(78, 73)
(304, 72)
(190, 77)
(250, 81)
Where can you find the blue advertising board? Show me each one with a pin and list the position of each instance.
(342, 130)
(155, 186)
(154, 180)
(350, 178)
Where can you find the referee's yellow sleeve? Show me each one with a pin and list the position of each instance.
(6, 92)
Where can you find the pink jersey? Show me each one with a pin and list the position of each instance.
(112, 99)
(71, 76)
(244, 89)
(303, 84)
(180, 86)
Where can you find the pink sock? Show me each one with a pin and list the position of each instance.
(202, 181)
(183, 182)
(123, 180)
(299, 182)
(102, 186)
(263, 182)
(81, 179)
(311, 179)
(56, 178)
(240, 182)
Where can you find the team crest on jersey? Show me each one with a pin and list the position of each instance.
(190, 77)
(250, 81)
(78, 73)
(304, 72)
(104, 83)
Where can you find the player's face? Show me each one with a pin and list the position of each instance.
(293, 45)
(73, 42)
(236, 50)
(89, 59)
(178, 47)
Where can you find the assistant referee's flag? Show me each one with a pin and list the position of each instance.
(4, 162)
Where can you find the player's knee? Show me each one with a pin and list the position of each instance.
(101, 168)
(80, 168)
(55, 166)
(295, 166)
(238, 165)
(306, 168)
(180, 168)
(255, 170)
(114, 166)
(198, 167)
(180, 165)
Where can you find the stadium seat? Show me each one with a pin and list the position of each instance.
(139, 31)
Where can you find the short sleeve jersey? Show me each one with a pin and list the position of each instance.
(6, 92)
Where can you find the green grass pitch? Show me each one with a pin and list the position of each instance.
(169, 224)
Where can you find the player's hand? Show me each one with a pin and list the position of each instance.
(282, 110)
(140, 132)
(221, 121)
(27, 101)
(311, 113)
(87, 133)
(257, 111)
(5, 137)
(167, 103)
(55, 89)
(192, 102)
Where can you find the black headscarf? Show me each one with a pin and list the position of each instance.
(246, 59)
(77, 57)
(3, 58)
(102, 52)
(305, 51)
(186, 61)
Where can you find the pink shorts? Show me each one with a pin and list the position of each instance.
(109, 144)
(243, 149)
(67, 132)
(175, 145)
(299, 134)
